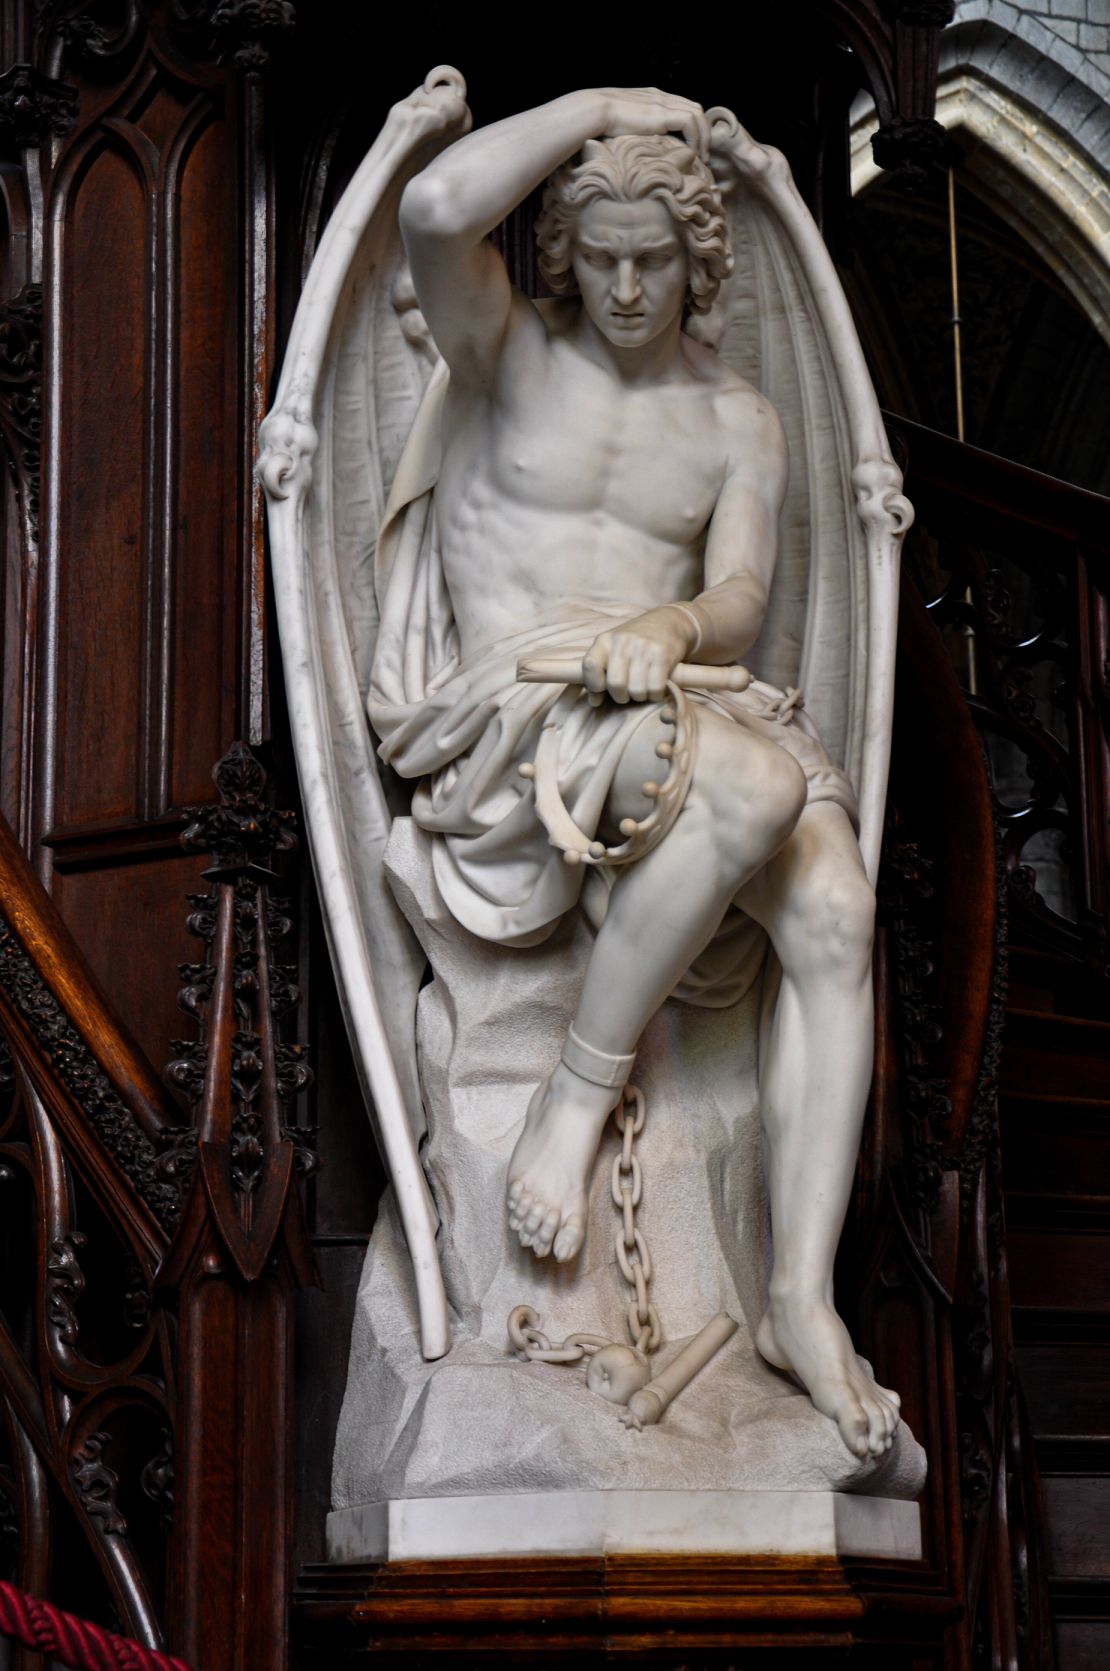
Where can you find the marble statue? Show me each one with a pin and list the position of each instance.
(613, 576)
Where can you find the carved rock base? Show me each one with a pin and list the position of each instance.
(478, 1421)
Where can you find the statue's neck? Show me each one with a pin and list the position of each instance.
(657, 361)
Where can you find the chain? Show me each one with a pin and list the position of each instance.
(529, 1341)
(627, 1186)
(622, 1374)
(634, 1260)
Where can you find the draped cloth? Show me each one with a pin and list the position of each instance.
(464, 726)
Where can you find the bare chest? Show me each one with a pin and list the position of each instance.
(650, 461)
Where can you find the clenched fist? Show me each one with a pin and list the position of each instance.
(633, 662)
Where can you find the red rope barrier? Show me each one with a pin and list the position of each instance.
(77, 1643)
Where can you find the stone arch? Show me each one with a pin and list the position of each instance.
(1036, 148)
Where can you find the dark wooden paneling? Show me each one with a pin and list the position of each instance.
(1056, 1148)
(1078, 1514)
(1083, 1645)
(1067, 1389)
(1066, 1270)
(1056, 1056)
(99, 561)
(146, 261)
(322, 1347)
(205, 594)
(137, 678)
(344, 1196)
(130, 922)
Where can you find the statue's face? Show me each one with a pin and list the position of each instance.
(630, 263)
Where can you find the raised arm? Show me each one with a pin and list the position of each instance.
(448, 211)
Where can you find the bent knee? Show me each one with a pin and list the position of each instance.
(834, 917)
(779, 797)
(756, 791)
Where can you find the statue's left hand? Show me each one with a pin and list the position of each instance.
(633, 662)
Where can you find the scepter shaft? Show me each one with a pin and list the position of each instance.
(556, 670)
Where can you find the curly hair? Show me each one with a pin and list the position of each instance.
(627, 169)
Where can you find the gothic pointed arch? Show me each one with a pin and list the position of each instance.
(1034, 145)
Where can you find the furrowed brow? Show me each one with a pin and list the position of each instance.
(668, 246)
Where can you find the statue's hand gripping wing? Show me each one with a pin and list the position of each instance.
(782, 321)
(358, 362)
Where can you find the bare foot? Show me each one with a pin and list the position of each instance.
(803, 1335)
(551, 1163)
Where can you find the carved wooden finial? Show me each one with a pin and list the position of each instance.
(240, 1078)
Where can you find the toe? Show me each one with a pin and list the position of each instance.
(853, 1424)
(522, 1207)
(516, 1188)
(890, 1413)
(545, 1235)
(534, 1218)
(877, 1433)
(569, 1240)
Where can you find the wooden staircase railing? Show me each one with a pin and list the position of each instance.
(148, 1265)
(88, 1206)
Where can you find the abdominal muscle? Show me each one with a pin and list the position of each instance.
(508, 563)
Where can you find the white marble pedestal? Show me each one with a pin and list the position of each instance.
(626, 1523)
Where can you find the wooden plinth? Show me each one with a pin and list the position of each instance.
(680, 1612)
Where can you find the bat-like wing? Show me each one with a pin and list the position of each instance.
(782, 321)
(355, 372)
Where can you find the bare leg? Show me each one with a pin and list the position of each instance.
(817, 907)
(742, 805)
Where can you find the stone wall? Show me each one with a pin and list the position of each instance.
(1074, 33)
(1054, 56)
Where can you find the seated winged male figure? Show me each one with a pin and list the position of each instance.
(608, 484)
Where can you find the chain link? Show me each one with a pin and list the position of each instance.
(633, 1257)
(529, 1341)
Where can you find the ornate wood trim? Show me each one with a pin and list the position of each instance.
(80, 1408)
(21, 396)
(92, 29)
(241, 1248)
(73, 1064)
(33, 108)
(109, 1107)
